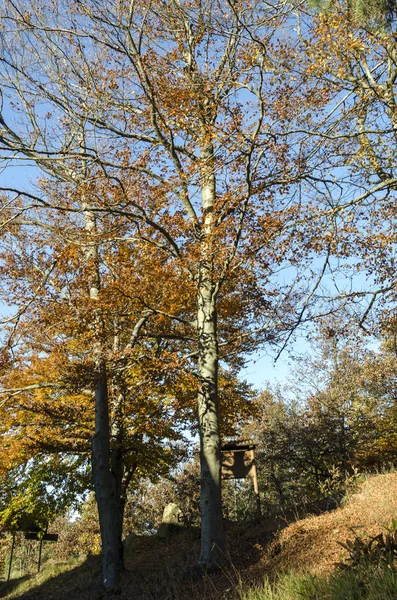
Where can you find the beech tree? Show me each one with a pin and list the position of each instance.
(177, 113)
(348, 51)
(47, 401)
(47, 387)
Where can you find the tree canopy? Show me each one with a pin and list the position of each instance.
(207, 178)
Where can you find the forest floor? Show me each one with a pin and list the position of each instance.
(159, 569)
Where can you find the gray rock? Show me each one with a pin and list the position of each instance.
(170, 523)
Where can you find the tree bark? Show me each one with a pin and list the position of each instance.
(107, 466)
(117, 465)
(212, 534)
(106, 489)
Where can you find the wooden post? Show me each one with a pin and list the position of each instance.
(39, 563)
(12, 554)
(254, 475)
(235, 500)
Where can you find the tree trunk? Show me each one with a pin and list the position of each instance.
(117, 466)
(106, 489)
(212, 535)
(106, 463)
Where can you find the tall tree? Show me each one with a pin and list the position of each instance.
(47, 387)
(348, 59)
(184, 130)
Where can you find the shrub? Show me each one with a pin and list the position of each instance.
(381, 548)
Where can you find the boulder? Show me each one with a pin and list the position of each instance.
(171, 522)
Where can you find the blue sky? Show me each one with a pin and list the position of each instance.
(261, 368)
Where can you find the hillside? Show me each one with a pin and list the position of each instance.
(312, 543)
(164, 570)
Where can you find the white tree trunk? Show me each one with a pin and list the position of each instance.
(212, 535)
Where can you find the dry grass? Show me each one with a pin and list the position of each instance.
(311, 544)
(164, 569)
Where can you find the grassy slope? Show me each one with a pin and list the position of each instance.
(164, 570)
(311, 544)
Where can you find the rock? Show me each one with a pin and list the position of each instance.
(172, 514)
(171, 523)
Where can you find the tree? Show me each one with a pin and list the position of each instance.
(47, 387)
(181, 125)
(351, 60)
(375, 13)
(336, 418)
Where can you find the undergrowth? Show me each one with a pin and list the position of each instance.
(369, 582)
(368, 573)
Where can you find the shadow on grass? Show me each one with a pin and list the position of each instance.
(53, 583)
(6, 587)
(159, 569)
(156, 569)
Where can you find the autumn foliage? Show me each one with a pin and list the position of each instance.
(205, 181)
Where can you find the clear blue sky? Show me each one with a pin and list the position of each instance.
(261, 370)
